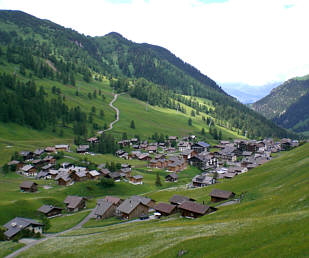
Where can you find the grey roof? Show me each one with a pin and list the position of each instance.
(172, 175)
(27, 184)
(26, 168)
(17, 224)
(38, 151)
(42, 174)
(47, 208)
(102, 207)
(81, 173)
(138, 177)
(194, 207)
(129, 205)
(142, 199)
(179, 199)
(204, 144)
(221, 193)
(112, 199)
(73, 201)
(202, 179)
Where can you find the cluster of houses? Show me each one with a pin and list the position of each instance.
(140, 206)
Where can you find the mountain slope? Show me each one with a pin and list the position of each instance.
(282, 97)
(296, 117)
(42, 51)
(272, 220)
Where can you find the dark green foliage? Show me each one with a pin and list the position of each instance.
(132, 125)
(107, 144)
(107, 182)
(158, 180)
(190, 122)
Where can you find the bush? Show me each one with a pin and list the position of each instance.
(106, 182)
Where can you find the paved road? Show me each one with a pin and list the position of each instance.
(50, 236)
(117, 115)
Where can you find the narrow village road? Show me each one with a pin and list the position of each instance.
(50, 236)
(117, 115)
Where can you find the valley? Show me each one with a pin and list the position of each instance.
(111, 148)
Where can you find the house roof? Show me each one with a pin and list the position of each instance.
(129, 205)
(73, 201)
(17, 224)
(172, 175)
(138, 177)
(180, 199)
(142, 199)
(221, 193)
(94, 173)
(47, 208)
(27, 184)
(102, 207)
(194, 207)
(13, 162)
(165, 207)
(204, 144)
(112, 199)
(26, 168)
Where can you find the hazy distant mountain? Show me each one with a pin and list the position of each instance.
(246, 93)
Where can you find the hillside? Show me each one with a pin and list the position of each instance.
(281, 98)
(80, 70)
(272, 220)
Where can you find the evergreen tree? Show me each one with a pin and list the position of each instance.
(190, 122)
(192, 113)
(158, 180)
(132, 125)
(203, 131)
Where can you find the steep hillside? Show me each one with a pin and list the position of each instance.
(79, 71)
(282, 97)
(272, 220)
(296, 117)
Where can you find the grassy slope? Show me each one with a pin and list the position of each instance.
(271, 221)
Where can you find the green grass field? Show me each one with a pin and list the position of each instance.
(271, 221)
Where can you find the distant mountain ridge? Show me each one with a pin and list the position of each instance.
(287, 104)
(144, 71)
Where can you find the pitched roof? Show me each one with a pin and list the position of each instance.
(204, 144)
(102, 207)
(165, 207)
(112, 199)
(221, 193)
(47, 208)
(179, 199)
(27, 184)
(73, 201)
(142, 199)
(17, 224)
(26, 168)
(172, 175)
(194, 207)
(129, 205)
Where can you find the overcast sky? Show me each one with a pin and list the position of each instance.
(248, 41)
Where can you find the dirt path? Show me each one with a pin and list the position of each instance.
(117, 115)
(50, 236)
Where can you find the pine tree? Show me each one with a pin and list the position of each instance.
(158, 180)
(132, 124)
(190, 122)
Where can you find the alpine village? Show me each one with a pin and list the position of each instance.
(111, 148)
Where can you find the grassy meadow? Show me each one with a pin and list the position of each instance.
(271, 221)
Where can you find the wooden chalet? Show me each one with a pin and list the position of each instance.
(131, 209)
(218, 195)
(93, 175)
(194, 210)
(50, 210)
(62, 147)
(113, 199)
(104, 210)
(15, 165)
(29, 170)
(75, 203)
(28, 186)
(165, 209)
(179, 199)
(173, 177)
(136, 180)
(200, 147)
(145, 200)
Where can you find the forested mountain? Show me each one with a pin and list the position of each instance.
(42, 49)
(296, 117)
(287, 105)
(280, 98)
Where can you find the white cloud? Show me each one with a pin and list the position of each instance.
(248, 41)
